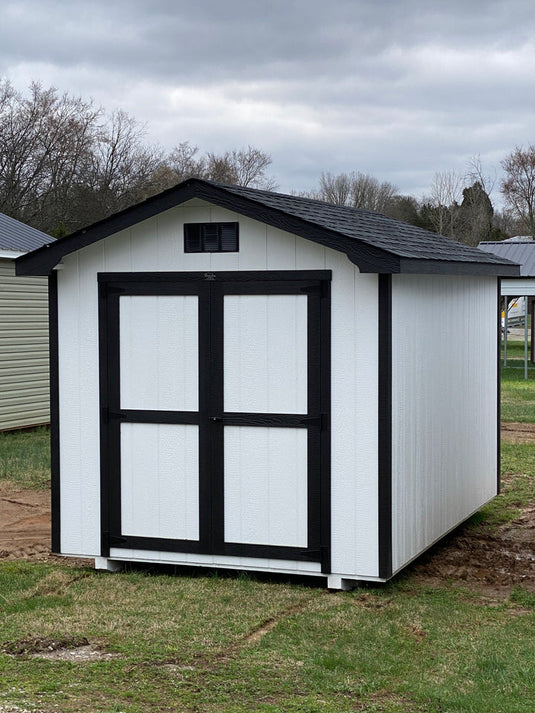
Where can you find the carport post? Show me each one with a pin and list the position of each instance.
(525, 336)
(505, 324)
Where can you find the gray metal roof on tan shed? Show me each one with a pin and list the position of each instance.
(19, 237)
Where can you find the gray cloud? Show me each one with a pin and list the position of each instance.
(396, 88)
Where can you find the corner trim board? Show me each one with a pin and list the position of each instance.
(499, 380)
(385, 425)
(54, 411)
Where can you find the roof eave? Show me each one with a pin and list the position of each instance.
(458, 267)
(366, 257)
(11, 254)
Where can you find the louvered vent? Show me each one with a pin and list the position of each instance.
(211, 237)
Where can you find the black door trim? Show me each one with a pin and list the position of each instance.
(211, 287)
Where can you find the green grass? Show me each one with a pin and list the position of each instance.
(184, 644)
(517, 491)
(207, 644)
(517, 393)
(25, 458)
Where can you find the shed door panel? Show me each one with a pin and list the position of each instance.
(160, 480)
(266, 490)
(265, 356)
(214, 431)
(159, 352)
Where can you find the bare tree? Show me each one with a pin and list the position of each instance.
(357, 190)
(44, 139)
(240, 167)
(63, 163)
(444, 202)
(185, 162)
(335, 189)
(119, 170)
(518, 186)
(476, 174)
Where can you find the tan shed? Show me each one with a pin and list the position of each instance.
(24, 372)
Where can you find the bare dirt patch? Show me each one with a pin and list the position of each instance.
(518, 432)
(25, 527)
(25, 524)
(491, 563)
(70, 649)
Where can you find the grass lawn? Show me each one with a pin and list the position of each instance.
(214, 644)
(25, 459)
(188, 644)
(518, 394)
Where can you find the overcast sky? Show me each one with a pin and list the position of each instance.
(399, 89)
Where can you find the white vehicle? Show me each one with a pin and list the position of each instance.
(515, 312)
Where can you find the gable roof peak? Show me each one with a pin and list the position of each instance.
(374, 242)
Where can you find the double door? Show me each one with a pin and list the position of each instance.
(215, 411)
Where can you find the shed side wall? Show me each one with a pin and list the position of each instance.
(444, 406)
(24, 389)
(157, 245)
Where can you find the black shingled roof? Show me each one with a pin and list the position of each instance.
(374, 242)
(373, 228)
(19, 237)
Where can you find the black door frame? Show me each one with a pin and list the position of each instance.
(210, 288)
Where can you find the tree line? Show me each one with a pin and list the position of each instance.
(66, 163)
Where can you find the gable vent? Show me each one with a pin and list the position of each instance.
(211, 237)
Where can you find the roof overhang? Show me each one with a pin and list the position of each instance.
(518, 287)
(11, 254)
(368, 258)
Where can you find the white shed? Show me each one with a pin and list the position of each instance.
(258, 381)
(24, 391)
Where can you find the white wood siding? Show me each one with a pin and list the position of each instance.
(266, 485)
(444, 405)
(24, 385)
(157, 245)
(160, 480)
(265, 353)
(159, 352)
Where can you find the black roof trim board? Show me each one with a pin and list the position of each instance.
(373, 242)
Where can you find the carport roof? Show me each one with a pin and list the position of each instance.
(521, 251)
(374, 242)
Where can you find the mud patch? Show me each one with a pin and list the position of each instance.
(25, 527)
(518, 432)
(25, 518)
(67, 649)
(494, 564)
